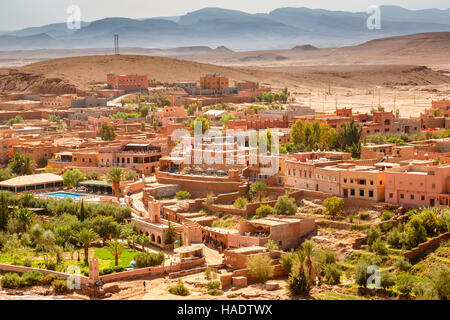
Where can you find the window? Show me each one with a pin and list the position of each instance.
(402, 196)
(391, 195)
(345, 180)
(411, 197)
(371, 182)
(422, 198)
(371, 193)
(352, 192)
(361, 193)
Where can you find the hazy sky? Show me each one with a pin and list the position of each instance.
(16, 14)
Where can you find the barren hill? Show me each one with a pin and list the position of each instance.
(66, 74)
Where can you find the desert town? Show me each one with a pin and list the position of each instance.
(127, 190)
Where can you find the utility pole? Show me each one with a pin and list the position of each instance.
(116, 44)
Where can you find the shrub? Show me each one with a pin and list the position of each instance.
(232, 295)
(394, 238)
(182, 194)
(148, 259)
(263, 211)
(11, 280)
(440, 281)
(361, 274)
(271, 245)
(286, 260)
(179, 289)
(208, 272)
(405, 283)
(298, 284)
(379, 247)
(285, 206)
(213, 285)
(387, 280)
(387, 215)
(215, 292)
(260, 266)
(402, 264)
(60, 287)
(240, 203)
(333, 205)
(351, 217)
(364, 215)
(32, 278)
(372, 235)
(105, 271)
(209, 198)
(332, 274)
(27, 262)
(48, 279)
(118, 269)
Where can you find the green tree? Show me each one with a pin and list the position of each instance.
(116, 248)
(182, 194)
(106, 132)
(285, 206)
(333, 205)
(204, 124)
(16, 119)
(240, 203)
(85, 237)
(72, 178)
(225, 118)
(264, 211)
(21, 165)
(258, 188)
(114, 176)
(25, 217)
(4, 210)
(6, 174)
(169, 237)
(260, 266)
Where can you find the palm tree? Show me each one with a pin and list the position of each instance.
(310, 268)
(116, 248)
(258, 188)
(85, 237)
(115, 176)
(133, 238)
(25, 217)
(21, 165)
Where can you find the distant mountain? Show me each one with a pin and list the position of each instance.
(279, 29)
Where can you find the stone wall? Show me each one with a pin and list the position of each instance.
(21, 269)
(424, 247)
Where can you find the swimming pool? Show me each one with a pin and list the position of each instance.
(65, 195)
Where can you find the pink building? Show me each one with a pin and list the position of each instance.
(418, 184)
(170, 114)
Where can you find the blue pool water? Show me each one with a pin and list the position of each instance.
(65, 195)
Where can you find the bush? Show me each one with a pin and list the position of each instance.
(440, 281)
(260, 266)
(372, 235)
(286, 260)
(394, 238)
(105, 271)
(32, 278)
(404, 283)
(298, 284)
(402, 264)
(364, 215)
(11, 280)
(208, 272)
(333, 205)
(232, 295)
(263, 211)
(148, 259)
(361, 274)
(48, 279)
(271, 245)
(209, 198)
(118, 269)
(332, 274)
(285, 206)
(179, 289)
(182, 194)
(60, 287)
(379, 247)
(215, 292)
(240, 203)
(213, 285)
(387, 280)
(387, 215)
